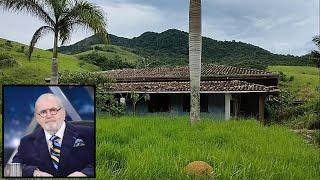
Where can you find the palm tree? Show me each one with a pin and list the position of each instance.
(61, 18)
(195, 45)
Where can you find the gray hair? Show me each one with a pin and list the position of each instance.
(48, 96)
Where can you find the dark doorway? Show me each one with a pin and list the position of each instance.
(203, 103)
(159, 103)
(249, 105)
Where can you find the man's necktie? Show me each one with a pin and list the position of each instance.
(55, 151)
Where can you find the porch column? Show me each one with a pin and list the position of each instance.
(123, 100)
(261, 107)
(227, 99)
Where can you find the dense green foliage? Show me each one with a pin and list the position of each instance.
(105, 101)
(171, 48)
(297, 83)
(281, 109)
(159, 147)
(315, 54)
(83, 78)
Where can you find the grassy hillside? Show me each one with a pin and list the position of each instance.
(111, 52)
(109, 57)
(159, 147)
(301, 80)
(34, 71)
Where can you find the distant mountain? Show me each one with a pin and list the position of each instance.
(171, 48)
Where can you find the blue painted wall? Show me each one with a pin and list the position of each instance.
(215, 105)
(176, 104)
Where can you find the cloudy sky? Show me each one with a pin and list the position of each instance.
(283, 27)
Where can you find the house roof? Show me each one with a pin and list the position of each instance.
(235, 86)
(208, 72)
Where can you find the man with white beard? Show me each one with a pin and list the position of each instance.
(57, 149)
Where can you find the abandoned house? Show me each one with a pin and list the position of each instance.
(225, 91)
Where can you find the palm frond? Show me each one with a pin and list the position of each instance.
(33, 7)
(315, 54)
(65, 33)
(37, 35)
(316, 57)
(58, 8)
(316, 40)
(87, 15)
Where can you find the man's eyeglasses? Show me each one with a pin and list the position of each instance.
(52, 111)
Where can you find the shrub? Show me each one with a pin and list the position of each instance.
(281, 109)
(7, 60)
(21, 49)
(291, 78)
(8, 44)
(81, 63)
(278, 108)
(83, 78)
(317, 137)
(98, 48)
(105, 63)
(105, 101)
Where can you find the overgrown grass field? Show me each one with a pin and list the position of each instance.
(158, 147)
(304, 79)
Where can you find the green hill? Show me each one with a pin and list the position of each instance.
(171, 48)
(109, 57)
(303, 81)
(16, 69)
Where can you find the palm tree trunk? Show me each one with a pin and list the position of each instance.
(54, 66)
(195, 45)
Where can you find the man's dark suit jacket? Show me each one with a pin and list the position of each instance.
(33, 152)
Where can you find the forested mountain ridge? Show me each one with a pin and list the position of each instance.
(171, 48)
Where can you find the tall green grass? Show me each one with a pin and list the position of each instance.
(158, 147)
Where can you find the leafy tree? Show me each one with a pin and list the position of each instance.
(316, 56)
(105, 100)
(61, 18)
(135, 97)
(316, 53)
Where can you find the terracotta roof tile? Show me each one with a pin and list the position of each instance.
(214, 86)
(208, 70)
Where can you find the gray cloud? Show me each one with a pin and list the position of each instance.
(285, 26)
